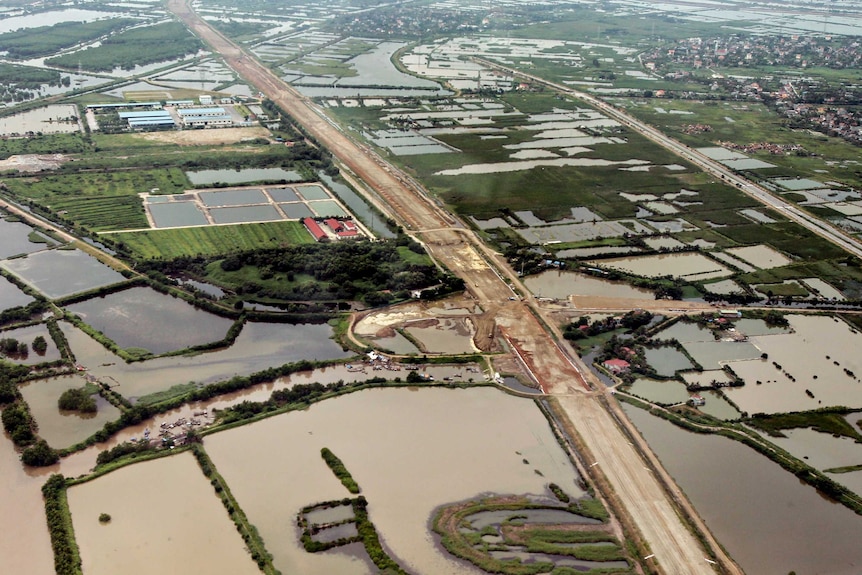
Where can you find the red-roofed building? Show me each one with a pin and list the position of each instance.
(616, 365)
(314, 228)
(334, 224)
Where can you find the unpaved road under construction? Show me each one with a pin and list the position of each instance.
(636, 479)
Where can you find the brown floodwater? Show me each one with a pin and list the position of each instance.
(410, 450)
(25, 546)
(768, 520)
(165, 518)
(821, 356)
(562, 284)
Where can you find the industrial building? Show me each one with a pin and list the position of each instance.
(212, 117)
(148, 119)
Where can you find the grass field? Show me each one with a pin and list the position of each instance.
(99, 201)
(213, 240)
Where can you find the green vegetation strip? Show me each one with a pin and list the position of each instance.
(845, 469)
(829, 420)
(337, 467)
(67, 560)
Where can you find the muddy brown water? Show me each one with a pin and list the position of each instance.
(562, 284)
(768, 520)
(25, 546)
(410, 451)
(165, 518)
(64, 428)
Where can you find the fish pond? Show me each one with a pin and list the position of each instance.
(15, 239)
(145, 319)
(258, 347)
(59, 273)
(562, 284)
(11, 296)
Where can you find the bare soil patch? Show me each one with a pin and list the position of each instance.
(207, 137)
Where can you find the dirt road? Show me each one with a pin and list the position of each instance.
(634, 484)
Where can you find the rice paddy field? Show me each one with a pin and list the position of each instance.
(541, 169)
(213, 240)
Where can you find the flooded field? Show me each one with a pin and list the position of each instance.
(388, 438)
(667, 360)
(59, 273)
(61, 428)
(11, 296)
(14, 239)
(691, 266)
(56, 119)
(259, 346)
(25, 546)
(562, 284)
(165, 518)
(146, 319)
(818, 355)
(768, 521)
(714, 354)
(763, 257)
(664, 392)
(27, 335)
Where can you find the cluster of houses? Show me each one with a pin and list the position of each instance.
(331, 228)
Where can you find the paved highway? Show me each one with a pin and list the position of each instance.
(629, 474)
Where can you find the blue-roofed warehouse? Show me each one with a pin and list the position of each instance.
(148, 119)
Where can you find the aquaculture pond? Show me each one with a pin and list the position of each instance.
(403, 446)
(666, 360)
(768, 520)
(244, 214)
(146, 319)
(11, 295)
(258, 347)
(176, 214)
(27, 335)
(59, 273)
(664, 392)
(15, 239)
